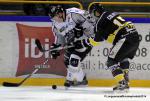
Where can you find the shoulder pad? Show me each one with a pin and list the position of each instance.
(74, 10)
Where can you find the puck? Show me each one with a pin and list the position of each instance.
(54, 86)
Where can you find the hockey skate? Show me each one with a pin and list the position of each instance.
(68, 83)
(122, 86)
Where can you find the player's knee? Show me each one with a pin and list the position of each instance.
(124, 64)
(114, 67)
(74, 62)
(111, 63)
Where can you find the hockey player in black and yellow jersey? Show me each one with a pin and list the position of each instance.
(125, 42)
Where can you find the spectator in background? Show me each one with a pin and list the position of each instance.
(35, 9)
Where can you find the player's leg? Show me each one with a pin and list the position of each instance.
(74, 72)
(124, 65)
(117, 54)
(125, 48)
(75, 75)
(117, 73)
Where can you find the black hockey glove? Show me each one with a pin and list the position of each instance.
(78, 31)
(70, 36)
(54, 54)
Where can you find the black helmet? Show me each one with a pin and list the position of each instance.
(55, 9)
(96, 7)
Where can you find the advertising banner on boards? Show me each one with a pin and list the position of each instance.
(20, 56)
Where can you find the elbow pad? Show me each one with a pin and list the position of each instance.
(93, 43)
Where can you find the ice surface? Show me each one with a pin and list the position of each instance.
(40, 93)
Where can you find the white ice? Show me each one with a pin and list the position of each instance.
(42, 93)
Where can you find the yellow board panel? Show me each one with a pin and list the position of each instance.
(60, 81)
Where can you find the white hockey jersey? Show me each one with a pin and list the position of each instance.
(74, 16)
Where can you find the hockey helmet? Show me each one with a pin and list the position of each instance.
(96, 8)
(55, 9)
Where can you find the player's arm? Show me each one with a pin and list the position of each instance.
(59, 40)
(88, 29)
(87, 42)
(98, 37)
(83, 21)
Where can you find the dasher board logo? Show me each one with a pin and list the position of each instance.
(31, 58)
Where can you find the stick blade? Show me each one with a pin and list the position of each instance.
(7, 84)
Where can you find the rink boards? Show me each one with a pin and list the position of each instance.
(20, 56)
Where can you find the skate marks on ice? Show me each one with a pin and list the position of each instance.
(71, 94)
(85, 90)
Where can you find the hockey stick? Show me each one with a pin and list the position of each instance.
(38, 43)
(9, 84)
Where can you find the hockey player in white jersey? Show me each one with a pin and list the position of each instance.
(70, 25)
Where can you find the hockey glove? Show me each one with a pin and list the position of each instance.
(70, 36)
(78, 31)
(54, 54)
